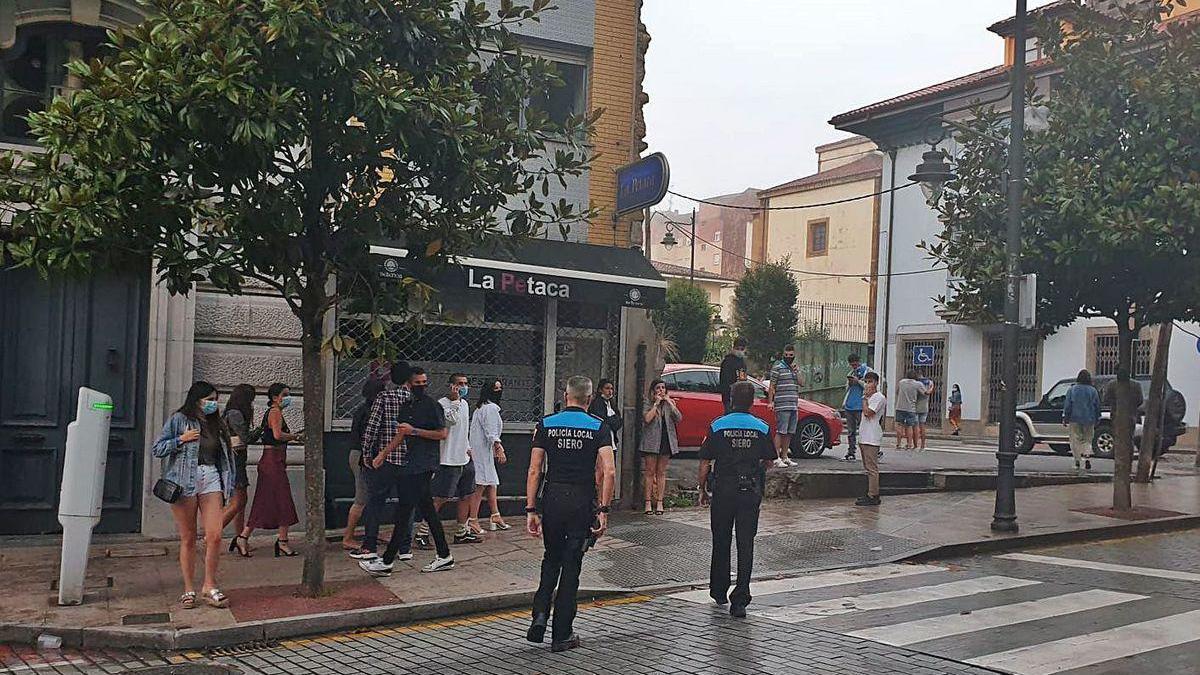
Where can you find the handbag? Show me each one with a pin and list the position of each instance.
(167, 490)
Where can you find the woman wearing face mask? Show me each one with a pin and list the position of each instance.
(273, 508)
(196, 456)
(486, 452)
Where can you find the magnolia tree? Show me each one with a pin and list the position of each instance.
(272, 142)
(1111, 218)
(765, 310)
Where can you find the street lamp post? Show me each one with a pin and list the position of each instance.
(669, 241)
(933, 173)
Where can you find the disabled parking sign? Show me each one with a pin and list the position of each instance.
(923, 355)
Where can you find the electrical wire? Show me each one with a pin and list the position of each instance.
(808, 272)
(790, 208)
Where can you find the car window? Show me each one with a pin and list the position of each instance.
(1058, 394)
(669, 380)
(759, 390)
(702, 381)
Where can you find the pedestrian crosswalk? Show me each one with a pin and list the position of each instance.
(1034, 618)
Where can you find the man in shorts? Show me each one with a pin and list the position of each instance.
(784, 394)
(454, 479)
(908, 391)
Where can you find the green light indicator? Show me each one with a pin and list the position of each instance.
(102, 406)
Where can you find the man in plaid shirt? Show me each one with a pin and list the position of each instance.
(380, 428)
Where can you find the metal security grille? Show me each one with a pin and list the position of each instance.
(1107, 348)
(846, 323)
(935, 371)
(480, 335)
(586, 342)
(1028, 387)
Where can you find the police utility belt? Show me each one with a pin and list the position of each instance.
(745, 483)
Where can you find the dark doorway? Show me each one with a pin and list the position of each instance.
(55, 336)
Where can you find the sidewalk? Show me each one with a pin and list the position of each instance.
(132, 588)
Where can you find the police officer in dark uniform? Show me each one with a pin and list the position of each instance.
(578, 452)
(739, 444)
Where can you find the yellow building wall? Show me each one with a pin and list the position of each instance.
(613, 88)
(851, 236)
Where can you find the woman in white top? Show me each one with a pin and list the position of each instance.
(486, 452)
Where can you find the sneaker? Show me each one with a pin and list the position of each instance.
(790, 462)
(362, 554)
(780, 464)
(422, 542)
(570, 643)
(850, 457)
(737, 611)
(867, 501)
(404, 556)
(376, 567)
(439, 564)
(466, 536)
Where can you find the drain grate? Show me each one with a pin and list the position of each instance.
(243, 649)
(145, 619)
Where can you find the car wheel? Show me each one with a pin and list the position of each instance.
(1061, 448)
(1103, 442)
(810, 438)
(1021, 438)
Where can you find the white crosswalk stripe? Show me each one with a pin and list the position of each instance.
(1156, 572)
(958, 623)
(1099, 647)
(1007, 623)
(892, 599)
(824, 580)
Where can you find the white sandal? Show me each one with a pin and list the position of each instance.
(213, 597)
(497, 525)
(188, 600)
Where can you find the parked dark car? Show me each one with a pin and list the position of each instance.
(1041, 422)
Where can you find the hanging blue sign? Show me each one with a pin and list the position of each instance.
(643, 183)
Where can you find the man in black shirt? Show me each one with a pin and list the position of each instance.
(733, 369)
(418, 437)
(576, 447)
(740, 445)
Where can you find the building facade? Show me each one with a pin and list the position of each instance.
(910, 332)
(123, 334)
(832, 247)
(719, 289)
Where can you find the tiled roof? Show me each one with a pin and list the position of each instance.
(868, 165)
(672, 270)
(974, 80)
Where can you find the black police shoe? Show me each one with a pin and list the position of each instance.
(571, 642)
(537, 629)
(737, 611)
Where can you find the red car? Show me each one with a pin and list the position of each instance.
(694, 387)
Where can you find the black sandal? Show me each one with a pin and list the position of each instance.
(281, 551)
(234, 548)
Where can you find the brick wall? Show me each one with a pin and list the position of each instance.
(613, 88)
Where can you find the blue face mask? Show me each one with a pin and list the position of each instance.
(285, 402)
(208, 407)
(462, 391)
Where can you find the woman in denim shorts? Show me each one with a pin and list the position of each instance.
(195, 450)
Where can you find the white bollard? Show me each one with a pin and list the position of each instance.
(82, 489)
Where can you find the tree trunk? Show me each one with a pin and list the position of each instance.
(314, 456)
(1152, 425)
(1122, 418)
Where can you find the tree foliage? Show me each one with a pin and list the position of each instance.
(686, 320)
(1111, 218)
(765, 310)
(271, 142)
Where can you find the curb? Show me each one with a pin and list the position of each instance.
(271, 630)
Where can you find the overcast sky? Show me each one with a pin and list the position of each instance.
(741, 92)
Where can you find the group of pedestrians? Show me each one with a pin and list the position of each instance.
(204, 478)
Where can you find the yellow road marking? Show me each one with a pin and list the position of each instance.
(435, 624)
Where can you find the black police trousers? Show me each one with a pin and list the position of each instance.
(568, 512)
(733, 507)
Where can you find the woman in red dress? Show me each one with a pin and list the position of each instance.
(273, 508)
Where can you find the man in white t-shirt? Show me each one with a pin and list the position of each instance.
(870, 436)
(454, 479)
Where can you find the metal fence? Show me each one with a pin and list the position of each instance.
(1028, 386)
(1108, 353)
(844, 323)
(824, 367)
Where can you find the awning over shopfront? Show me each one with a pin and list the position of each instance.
(539, 268)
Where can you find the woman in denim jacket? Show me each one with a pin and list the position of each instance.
(196, 455)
